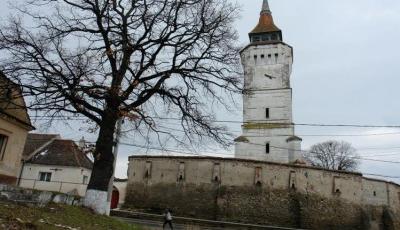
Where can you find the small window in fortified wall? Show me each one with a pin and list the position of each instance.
(147, 173)
(216, 172)
(258, 176)
(292, 180)
(181, 173)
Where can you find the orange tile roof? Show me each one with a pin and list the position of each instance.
(265, 25)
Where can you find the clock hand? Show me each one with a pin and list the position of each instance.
(269, 76)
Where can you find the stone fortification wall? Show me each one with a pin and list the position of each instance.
(263, 193)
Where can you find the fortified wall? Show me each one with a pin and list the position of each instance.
(262, 193)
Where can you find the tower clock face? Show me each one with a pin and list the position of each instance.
(267, 77)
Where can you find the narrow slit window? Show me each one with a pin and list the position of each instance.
(85, 180)
(3, 144)
(267, 113)
(267, 148)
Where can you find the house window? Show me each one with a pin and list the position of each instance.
(45, 176)
(3, 144)
(267, 113)
(85, 179)
(267, 148)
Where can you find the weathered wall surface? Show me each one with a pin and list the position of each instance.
(10, 164)
(267, 104)
(260, 192)
(121, 186)
(63, 179)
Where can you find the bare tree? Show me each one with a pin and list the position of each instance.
(333, 155)
(138, 59)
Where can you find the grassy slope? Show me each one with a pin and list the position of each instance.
(18, 216)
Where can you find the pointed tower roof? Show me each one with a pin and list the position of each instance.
(266, 23)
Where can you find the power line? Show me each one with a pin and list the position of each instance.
(252, 122)
(303, 135)
(379, 175)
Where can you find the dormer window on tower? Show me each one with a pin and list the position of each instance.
(266, 30)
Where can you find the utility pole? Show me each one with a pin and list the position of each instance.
(115, 152)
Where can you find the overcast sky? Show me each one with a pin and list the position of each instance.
(346, 71)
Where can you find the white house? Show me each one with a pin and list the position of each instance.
(53, 164)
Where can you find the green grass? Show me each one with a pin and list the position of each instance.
(54, 216)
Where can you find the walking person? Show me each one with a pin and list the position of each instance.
(168, 218)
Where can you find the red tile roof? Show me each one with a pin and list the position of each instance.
(36, 141)
(57, 152)
(265, 25)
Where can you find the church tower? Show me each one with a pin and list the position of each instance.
(268, 130)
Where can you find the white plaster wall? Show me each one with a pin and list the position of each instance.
(121, 186)
(279, 103)
(65, 180)
(261, 92)
(258, 138)
(260, 60)
(353, 187)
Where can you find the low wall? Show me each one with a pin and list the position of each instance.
(4, 179)
(17, 194)
(262, 193)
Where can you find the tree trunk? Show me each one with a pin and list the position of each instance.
(97, 192)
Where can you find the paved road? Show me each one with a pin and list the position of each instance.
(155, 225)
(153, 222)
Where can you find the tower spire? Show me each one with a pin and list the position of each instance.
(266, 30)
(265, 8)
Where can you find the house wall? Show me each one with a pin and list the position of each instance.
(63, 179)
(260, 192)
(10, 166)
